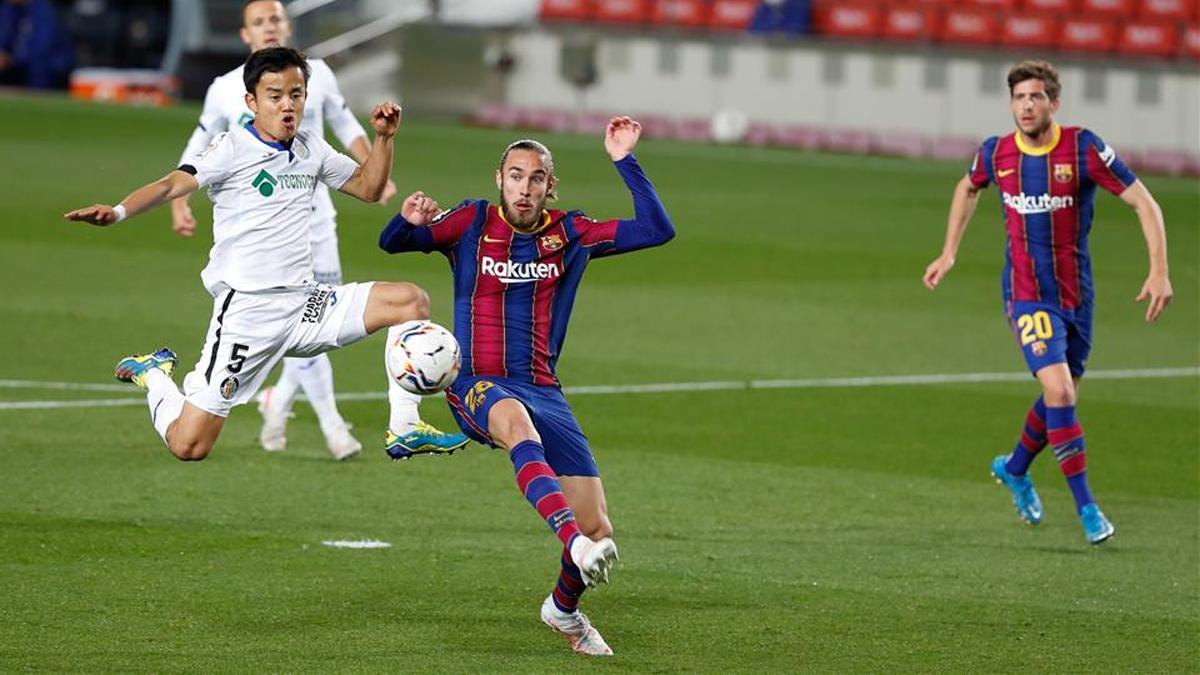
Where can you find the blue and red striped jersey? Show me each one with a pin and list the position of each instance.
(1046, 200)
(513, 292)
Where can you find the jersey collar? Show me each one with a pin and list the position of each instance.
(544, 225)
(270, 144)
(1043, 150)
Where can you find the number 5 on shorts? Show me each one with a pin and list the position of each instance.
(237, 358)
(1035, 327)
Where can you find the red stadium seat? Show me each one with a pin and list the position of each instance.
(1030, 30)
(1002, 5)
(1089, 35)
(1149, 38)
(849, 19)
(566, 10)
(1117, 9)
(1189, 42)
(731, 14)
(1049, 5)
(689, 13)
(909, 23)
(969, 26)
(623, 11)
(1174, 10)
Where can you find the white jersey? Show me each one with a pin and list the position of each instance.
(225, 110)
(262, 195)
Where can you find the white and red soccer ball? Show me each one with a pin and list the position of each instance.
(422, 357)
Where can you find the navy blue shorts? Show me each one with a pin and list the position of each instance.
(567, 450)
(1048, 334)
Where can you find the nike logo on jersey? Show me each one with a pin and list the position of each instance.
(492, 240)
(1004, 172)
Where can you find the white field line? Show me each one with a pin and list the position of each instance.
(653, 388)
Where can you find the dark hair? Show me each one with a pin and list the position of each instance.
(272, 60)
(541, 149)
(1035, 70)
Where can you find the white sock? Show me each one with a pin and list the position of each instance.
(404, 414)
(164, 399)
(287, 386)
(315, 375)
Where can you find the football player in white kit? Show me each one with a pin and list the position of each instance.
(267, 304)
(265, 24)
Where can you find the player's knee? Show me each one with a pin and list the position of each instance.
(597, 528)
(408, 301)
(1059, 395)
(189, 450)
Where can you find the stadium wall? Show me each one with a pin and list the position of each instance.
(929, 95)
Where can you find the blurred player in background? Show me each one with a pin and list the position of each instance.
(1048, 176)
(266, 302)
(516, 269)
(265, 24)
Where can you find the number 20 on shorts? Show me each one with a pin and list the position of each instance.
(1035, 326)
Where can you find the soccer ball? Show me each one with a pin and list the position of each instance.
(422, 357)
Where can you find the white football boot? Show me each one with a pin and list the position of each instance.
(342, 445)
(574, 626)
(594, 559)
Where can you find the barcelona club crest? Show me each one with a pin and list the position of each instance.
(1063, 173)
(552, 242)
(1038, 348)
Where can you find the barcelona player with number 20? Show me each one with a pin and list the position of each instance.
(1047, 175)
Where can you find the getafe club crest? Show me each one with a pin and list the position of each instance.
(552, 242)
(1063, 173)
(229, 387)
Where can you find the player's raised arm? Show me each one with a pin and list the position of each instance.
(1157, 286)
(171, 186)
(651, 225)
(369, 181)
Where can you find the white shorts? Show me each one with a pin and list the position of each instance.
(327, 264)
(250, 332)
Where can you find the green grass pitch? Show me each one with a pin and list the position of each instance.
(815, 529)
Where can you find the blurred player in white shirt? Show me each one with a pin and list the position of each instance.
(261, 178)
(265, 24)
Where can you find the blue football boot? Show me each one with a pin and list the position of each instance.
(423, 440)
(1096, 527)
(133, 369)
(1024, 497)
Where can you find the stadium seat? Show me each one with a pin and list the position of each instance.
(848, 19)
(782, 16)
(1089, 35)
(687, 13)
(969, 26)
(1189, 41)
(1001, 5)
(1149, 38)
(1174, 10)
(731, 14)
(565, 10)
(623, 11)
(1060, 6)
(1030, 30)
(1117, 9)
(906, 22)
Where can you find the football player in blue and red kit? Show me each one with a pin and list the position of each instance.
(1047, 176)
(517, 266)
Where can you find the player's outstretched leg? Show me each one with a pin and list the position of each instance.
(1066, 437)
(407, 434)
(168, 407)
